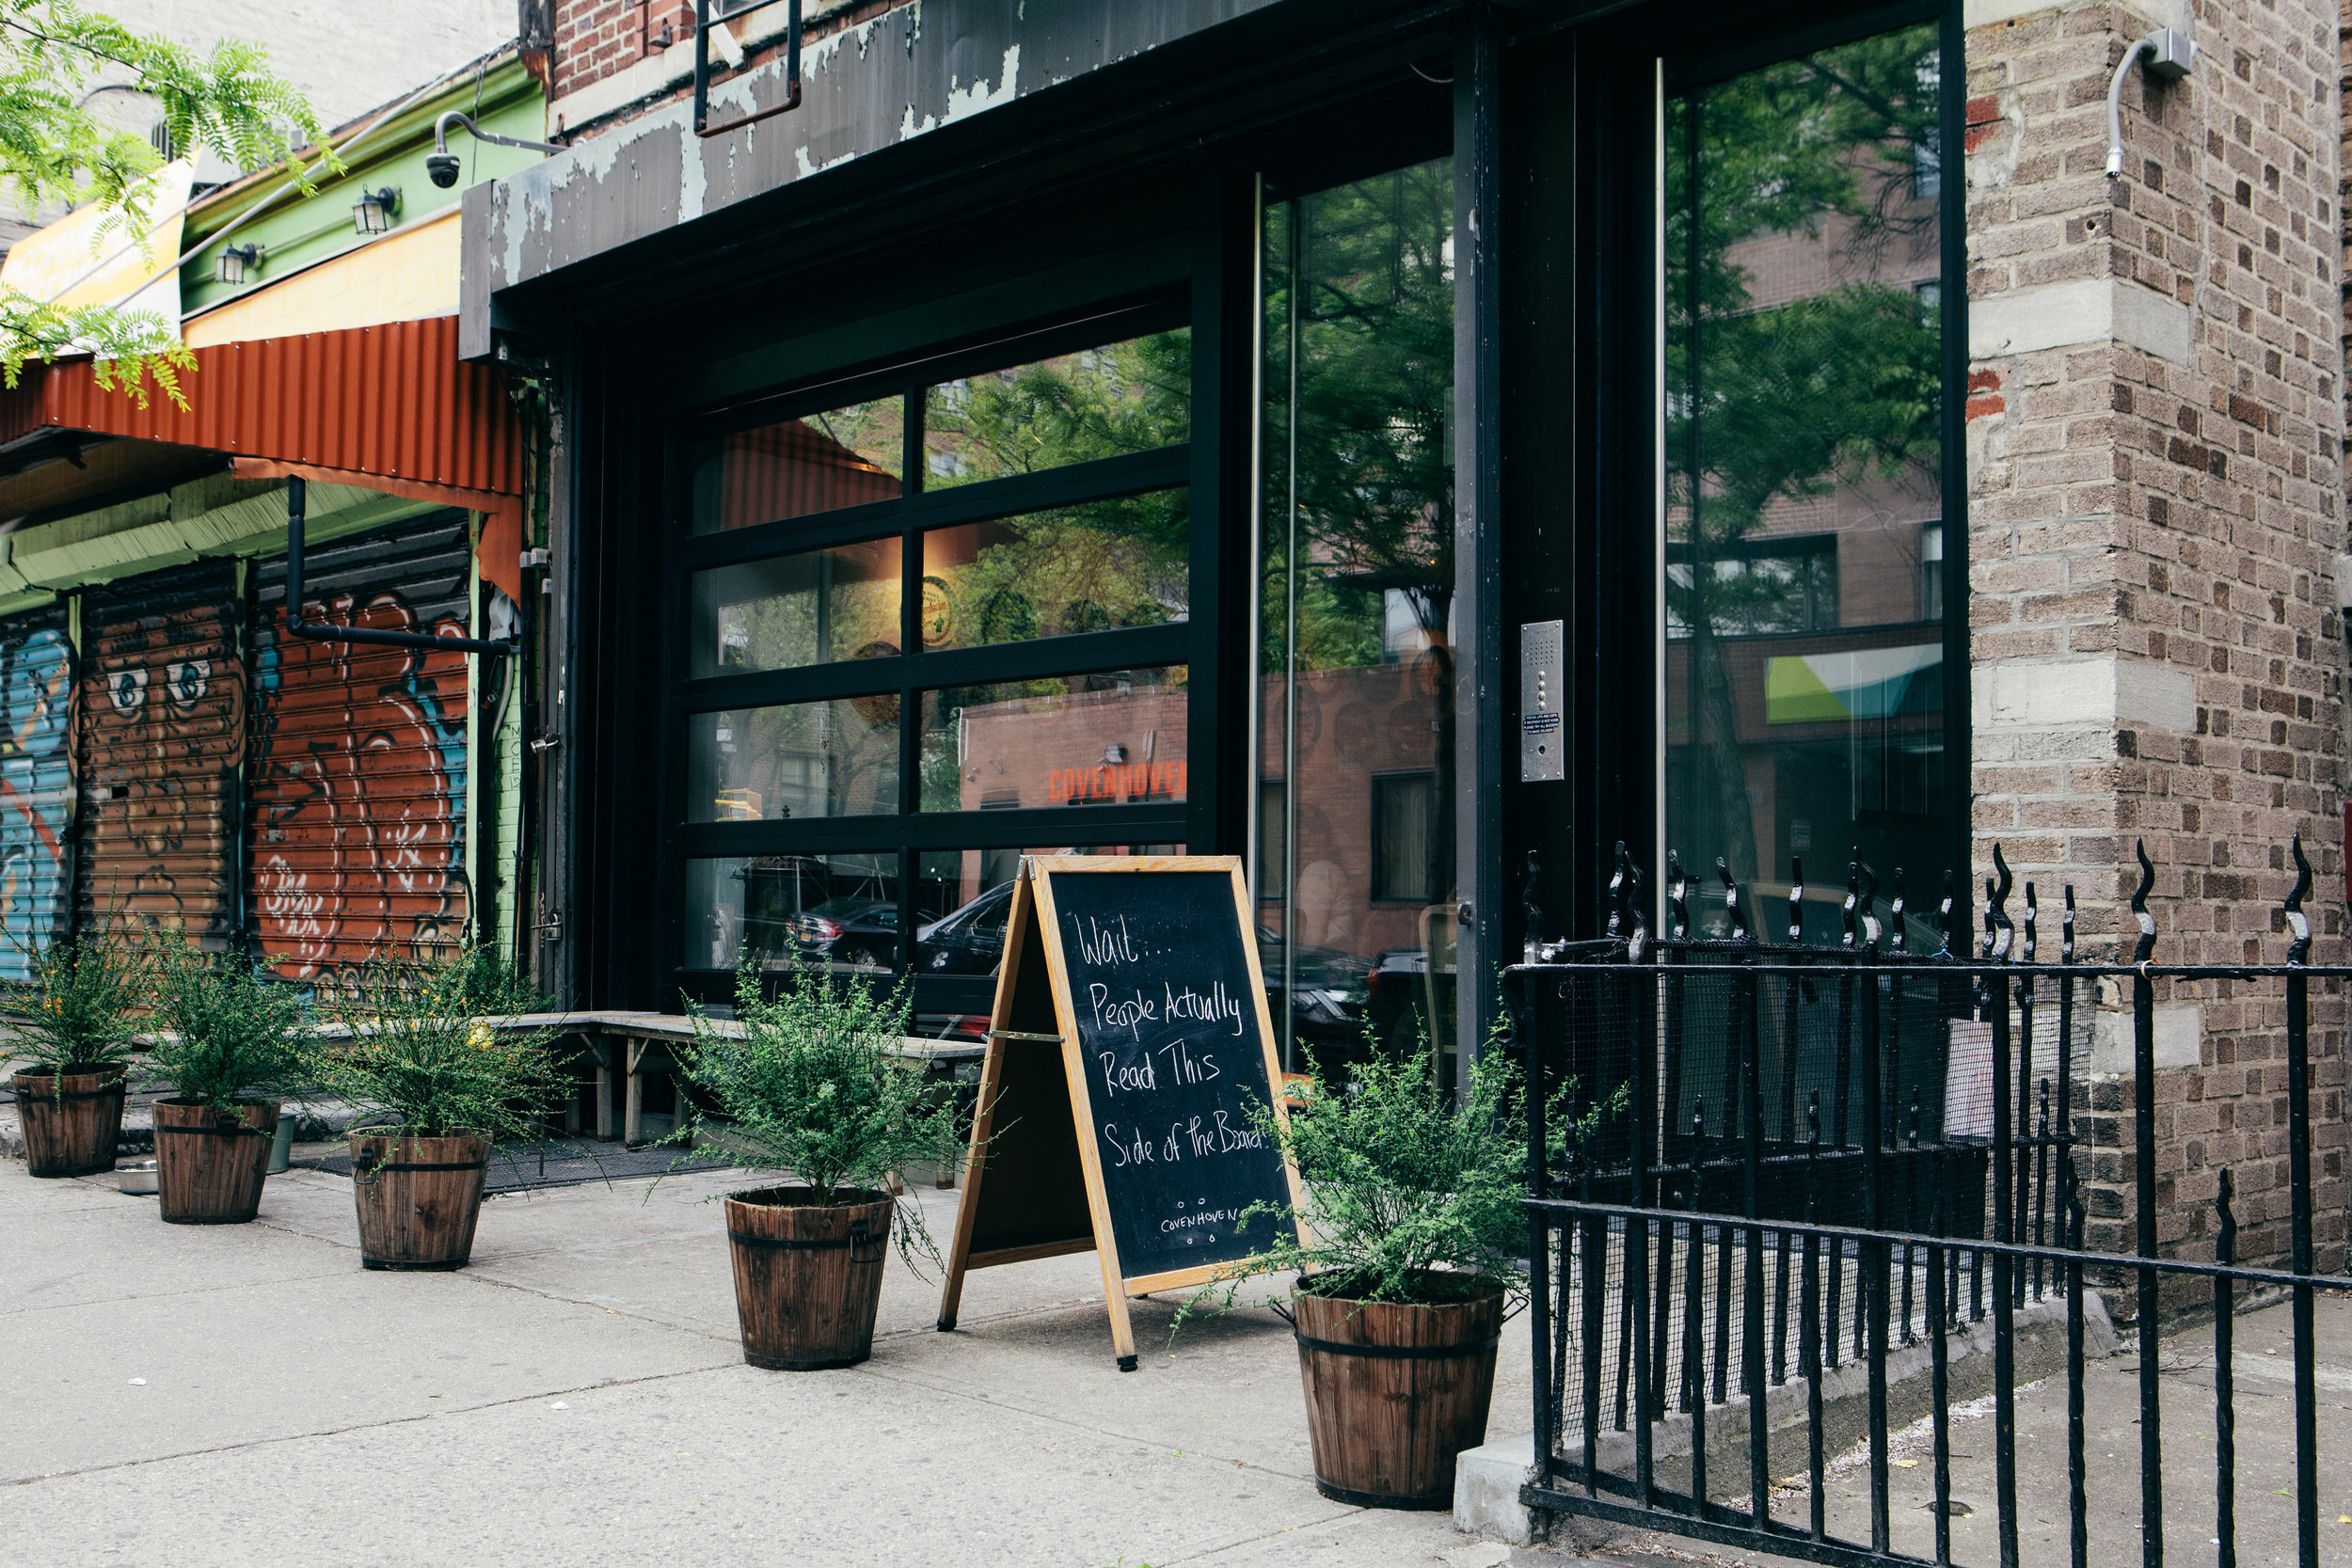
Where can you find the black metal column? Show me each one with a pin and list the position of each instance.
(1478, 525)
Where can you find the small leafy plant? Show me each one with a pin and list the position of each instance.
(418, 1057)
(227, 1030)
(82, 1007)
(811, 1084)
(1408, 1199)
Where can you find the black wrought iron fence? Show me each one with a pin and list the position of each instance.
(1798, 1201)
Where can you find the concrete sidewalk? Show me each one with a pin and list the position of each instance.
(224, 1395)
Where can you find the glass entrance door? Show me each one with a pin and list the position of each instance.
(1355, 723)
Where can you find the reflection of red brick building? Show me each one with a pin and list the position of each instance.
(1120, 745)
(1363, 733)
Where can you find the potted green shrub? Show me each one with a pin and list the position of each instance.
(229, 1042)
(436, 1085)
(1411, 1265)
(74, 1025)
(812, 1083)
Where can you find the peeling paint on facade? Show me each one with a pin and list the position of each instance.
(945, 63)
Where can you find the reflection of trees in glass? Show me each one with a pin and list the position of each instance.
(1125, 397)
(1123, 562)
(1360, 378)
(1791, 400)
(806, 608)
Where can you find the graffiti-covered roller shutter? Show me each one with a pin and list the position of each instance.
(36, 785)
(163, 740)
(359, 757)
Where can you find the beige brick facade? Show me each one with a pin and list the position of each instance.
(2155, 429)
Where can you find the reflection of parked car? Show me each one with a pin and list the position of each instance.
(1326, 1005)
(967, 941)
(859, 932)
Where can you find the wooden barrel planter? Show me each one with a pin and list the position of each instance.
(210, 1162)
(419, 1200)
(1394, 1394)
(807, 1276)
(71, 1127)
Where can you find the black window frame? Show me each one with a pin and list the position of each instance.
(910, 831)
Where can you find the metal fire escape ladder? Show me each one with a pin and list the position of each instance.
(704, 22)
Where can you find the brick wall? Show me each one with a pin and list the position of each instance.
(597, 40)
(2155, 420)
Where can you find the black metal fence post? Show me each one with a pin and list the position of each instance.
(2144, 1181)
(2224, 1400)
(2299, 1216)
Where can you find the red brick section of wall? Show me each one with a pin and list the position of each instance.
(2154, 521)
(595, 37)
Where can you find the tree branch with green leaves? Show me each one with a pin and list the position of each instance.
(55, 152)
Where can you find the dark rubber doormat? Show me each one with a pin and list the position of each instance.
(516, 1167)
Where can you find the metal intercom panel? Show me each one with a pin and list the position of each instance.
(1543, 687)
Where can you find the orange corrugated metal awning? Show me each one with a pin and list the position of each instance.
(393, 399)
(393, 402)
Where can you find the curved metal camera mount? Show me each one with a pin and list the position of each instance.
(442, 165)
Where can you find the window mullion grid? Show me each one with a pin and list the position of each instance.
(1079, 654)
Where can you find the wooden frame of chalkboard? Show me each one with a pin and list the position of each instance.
(1130, 1004)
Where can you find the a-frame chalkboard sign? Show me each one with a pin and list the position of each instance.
(1130, 1057)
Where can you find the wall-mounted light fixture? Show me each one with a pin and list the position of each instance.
(372, 213)
(238, 263)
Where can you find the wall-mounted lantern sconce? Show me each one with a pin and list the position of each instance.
(372, 213)
(239, 263)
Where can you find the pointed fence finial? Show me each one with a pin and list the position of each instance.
(1731, 900)
(2145, 948)
(1636, 911)
(1951, 912)
(2225, 1242)
(1998, 930)
(1617, 893)
(1849, 913)
(2033, 912)
(1677, 896)
(1534, 943)
(1894, 918)
(1796, 901)
(2298, 922)
(1872, 929)
(2066, 928)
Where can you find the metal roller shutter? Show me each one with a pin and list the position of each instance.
(36, 786)
(162, 741)
(359, 753)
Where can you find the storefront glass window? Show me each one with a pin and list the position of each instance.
(798, 468)
(836, 909)
(793, 611)
(1115, 737)
(1105, 565)
(1024, 623)
(1124, 397)
(1805, 611)
(1356, 872)
(799, 760)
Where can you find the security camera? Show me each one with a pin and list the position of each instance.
(442, 168)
